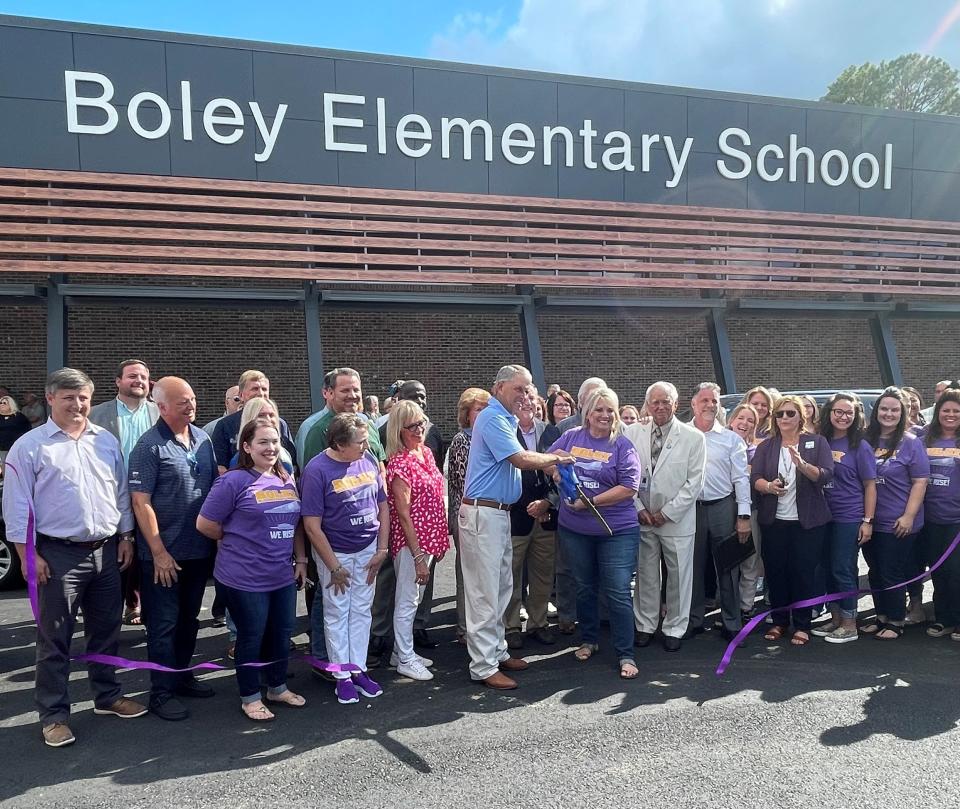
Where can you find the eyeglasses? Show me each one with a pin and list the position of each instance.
(237, 399)
(416, 426)
(785, 414)
(842, 414)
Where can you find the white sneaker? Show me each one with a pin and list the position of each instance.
(395, 660)
(415, 670)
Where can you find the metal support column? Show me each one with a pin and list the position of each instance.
(56, 325)
(886, 349)
(720, 349)
(531, 345)
(311, 314)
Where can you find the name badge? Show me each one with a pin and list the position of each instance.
(644, 484)
(809, 445)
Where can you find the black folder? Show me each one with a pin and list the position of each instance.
(730, 552)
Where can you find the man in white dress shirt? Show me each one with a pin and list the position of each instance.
(723, 508)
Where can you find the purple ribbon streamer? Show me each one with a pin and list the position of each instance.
(123, 662)
(813, 602)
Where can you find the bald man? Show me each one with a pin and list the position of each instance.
(172, 468)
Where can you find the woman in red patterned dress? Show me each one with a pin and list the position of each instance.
(418, 526)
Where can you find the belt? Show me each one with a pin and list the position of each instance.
(90, 546)
(714, 502)
(479, 501)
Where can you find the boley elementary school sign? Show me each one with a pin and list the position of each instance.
(93, 109)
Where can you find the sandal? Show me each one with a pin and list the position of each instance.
(586, 651)
(800, 638)
(288, 698)
(875, 625)
(628, 669)
(131, 617)
(257, 711)
(774, 633)
(894, 628)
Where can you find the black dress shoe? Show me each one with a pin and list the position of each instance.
(422, 640)
(169, 708)
(642, 639)
(727, 634)
(693, 631)
(195, 689)
(671, 644)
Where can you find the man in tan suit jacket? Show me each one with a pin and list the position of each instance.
(672, 460)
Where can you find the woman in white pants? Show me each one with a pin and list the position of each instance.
(418, 527)
(344, 508)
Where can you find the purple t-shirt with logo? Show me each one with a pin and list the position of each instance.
(259, 515)
(346, 496)
(600, 465)
(942, 501)
(895, 476)
(850, 469)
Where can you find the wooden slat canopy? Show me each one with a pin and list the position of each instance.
(117, 224)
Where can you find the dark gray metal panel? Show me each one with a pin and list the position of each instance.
(392, 170)
(439, 93)
(247, 294)
(125, 151)
(511, 100)
(423, 298)
(650, 186)
(886, 349)
(897, 202)
(723, 365)
(705, 185)
(769, 123)
(822, 198)
(297, 81)
(19, 291)
(604, 106)
(794, 304)
(532, 350)
(287, 163)
(828, 129)
(936, 195)
(656, 113)
(708, 117)
(877, 131)
(32, 62)
(937, 145)
(311, 317)
(533, 179)
(133, 65)
(45, 143)
(212, 72)
(579, 182)
(778, 196)
(57, 349)
(202, 157)
(392, 83)
(630, 303)
(454, 174)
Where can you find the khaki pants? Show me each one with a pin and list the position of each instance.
(537, 550)
(678, 558)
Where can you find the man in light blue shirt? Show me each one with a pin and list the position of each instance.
(492, 485)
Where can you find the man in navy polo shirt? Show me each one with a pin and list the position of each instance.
(172, 469)
(486, 549)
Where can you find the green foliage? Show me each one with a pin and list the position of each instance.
(911, 82)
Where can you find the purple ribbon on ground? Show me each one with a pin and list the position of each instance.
(813, 602)
(123, 662)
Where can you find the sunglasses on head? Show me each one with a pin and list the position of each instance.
(785, 414)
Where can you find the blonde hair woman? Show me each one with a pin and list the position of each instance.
(264, 411)
(13, 424)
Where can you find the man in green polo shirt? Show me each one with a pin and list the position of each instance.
(342, 393)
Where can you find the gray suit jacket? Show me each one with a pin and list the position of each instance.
(105, 415)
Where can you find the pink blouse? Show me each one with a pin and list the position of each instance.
(426, 502)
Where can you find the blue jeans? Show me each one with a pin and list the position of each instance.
(608, 563)
(840, 562)
(264, 625)
(170, 617)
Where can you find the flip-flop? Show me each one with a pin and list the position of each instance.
(288, 698)
(260, 713)
(624, 674)
(585, 652)
(800, 638)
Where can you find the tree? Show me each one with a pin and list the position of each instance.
(911, 82)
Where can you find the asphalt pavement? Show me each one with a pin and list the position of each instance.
(866, 724)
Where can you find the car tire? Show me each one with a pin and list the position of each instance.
(10, 577)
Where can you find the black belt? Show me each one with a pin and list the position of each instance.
(714, 502)
(90, 546)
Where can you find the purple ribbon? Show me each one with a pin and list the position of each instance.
(123, 662)
(813, 602)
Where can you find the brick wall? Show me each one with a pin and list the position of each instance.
(208, 346)
(928, 350)
(447, 351)
(629, 349)
(803, 352)
(23, 345)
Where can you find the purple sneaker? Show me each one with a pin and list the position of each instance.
(365, 685)
(346, 692)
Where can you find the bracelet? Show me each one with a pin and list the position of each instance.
(382, 550)
(301, 561)
(419, 557)
(769, 484)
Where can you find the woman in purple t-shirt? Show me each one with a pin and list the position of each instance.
(609, 471)
(852, 497)
(253, 511)
(346, 517)
(902, 472)
(942, 508)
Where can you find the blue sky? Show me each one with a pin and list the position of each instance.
(790, 48)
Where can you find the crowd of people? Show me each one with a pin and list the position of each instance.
(565, 508)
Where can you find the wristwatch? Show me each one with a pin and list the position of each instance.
(126, 537)
(867, 520)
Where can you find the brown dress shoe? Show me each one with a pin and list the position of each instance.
(124, 708)
(500, 682)
(57, 734)
(514, 664)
